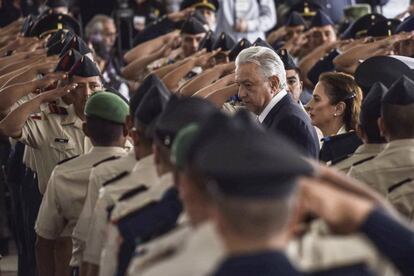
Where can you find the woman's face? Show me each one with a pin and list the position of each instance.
(320, 110)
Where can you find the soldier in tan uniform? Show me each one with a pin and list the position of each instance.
(367, 130)
(56, 132)
(396, 162)
(62, 203)
(142, 176)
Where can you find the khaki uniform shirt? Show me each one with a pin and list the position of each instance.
(66, 193)
(319, 249)
(394, 164)
(56, 137)
(161, 249)
(200, 255)
(362, 152)
(143, 172)
(401, 196)
(123, 208)
(99, 175)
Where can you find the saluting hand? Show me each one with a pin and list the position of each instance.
(53, 95)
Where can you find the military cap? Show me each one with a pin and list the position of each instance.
(240, 159)
(321, 19)
(240, 46)
(27, 25)
(225, 42)
(77, 44)
(407, 25)
(192, 26)
(68, 61)
(85, 68)
(53, 22)
(148, 82)
(107, 106)
(56, 48)
(361, 26)
(307, 9)
(56, 3)
(357, 11)
(262, 43)
(58, 36)
(295, 19)
(400, 93)
(200, 4)
(179, 113)
(323, 65)
(208, 41)
(386, 27)
(384, 69)
(152, 104)
(371, 105)
(287, 59)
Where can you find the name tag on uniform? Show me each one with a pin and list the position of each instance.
(61, 140)
(242, 6)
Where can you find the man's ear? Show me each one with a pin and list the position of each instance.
(274, 83)
(382, 127)
(85, 129)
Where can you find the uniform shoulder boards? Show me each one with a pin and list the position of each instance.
(106, 160)
(399, 184)
(133, 192)
(67, 159)
(337, 160)
(54, 109)
(363, 161)
(36, 116)
(116, 178)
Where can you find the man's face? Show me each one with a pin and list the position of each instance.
(190, 43)
(405, 48)
(323, 35)
(294, 32)
(294, 84)
(255, 90)
(109, 34)
(210, 17)
(85, 88)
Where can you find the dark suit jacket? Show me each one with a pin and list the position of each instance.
(288, 119)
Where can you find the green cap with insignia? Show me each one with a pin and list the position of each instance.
(108, 106)
(181, 145)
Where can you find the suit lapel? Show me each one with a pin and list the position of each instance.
(275, 110)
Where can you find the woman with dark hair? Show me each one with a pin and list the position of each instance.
(334, 109)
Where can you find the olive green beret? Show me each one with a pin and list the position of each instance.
(107, 106)
(181, 145)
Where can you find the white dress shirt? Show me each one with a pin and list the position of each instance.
(275, 100)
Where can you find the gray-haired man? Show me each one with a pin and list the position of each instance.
(261, 77)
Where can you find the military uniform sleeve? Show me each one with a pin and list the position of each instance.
(33, 132)
(50, 222)
(392, 239)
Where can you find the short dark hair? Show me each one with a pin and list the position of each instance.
(399, 120)
(145, 136)
(103, 132)
(372, 131)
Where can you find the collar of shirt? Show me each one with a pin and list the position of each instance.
(370, 148)
(399, 144)
(144, 162)
(275, 100)
(72, 118)
(342, 130)
(114, 150)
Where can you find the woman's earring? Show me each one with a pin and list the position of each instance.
(335, 115)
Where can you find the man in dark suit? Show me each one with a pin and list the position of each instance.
(261, 77)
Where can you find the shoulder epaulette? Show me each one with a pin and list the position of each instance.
(67, 159)
(399, 184)
(106, 160)
(54, 109)
(339, 159)
(36, 116)
(363, 161)
(133, 192)
(116, 178)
